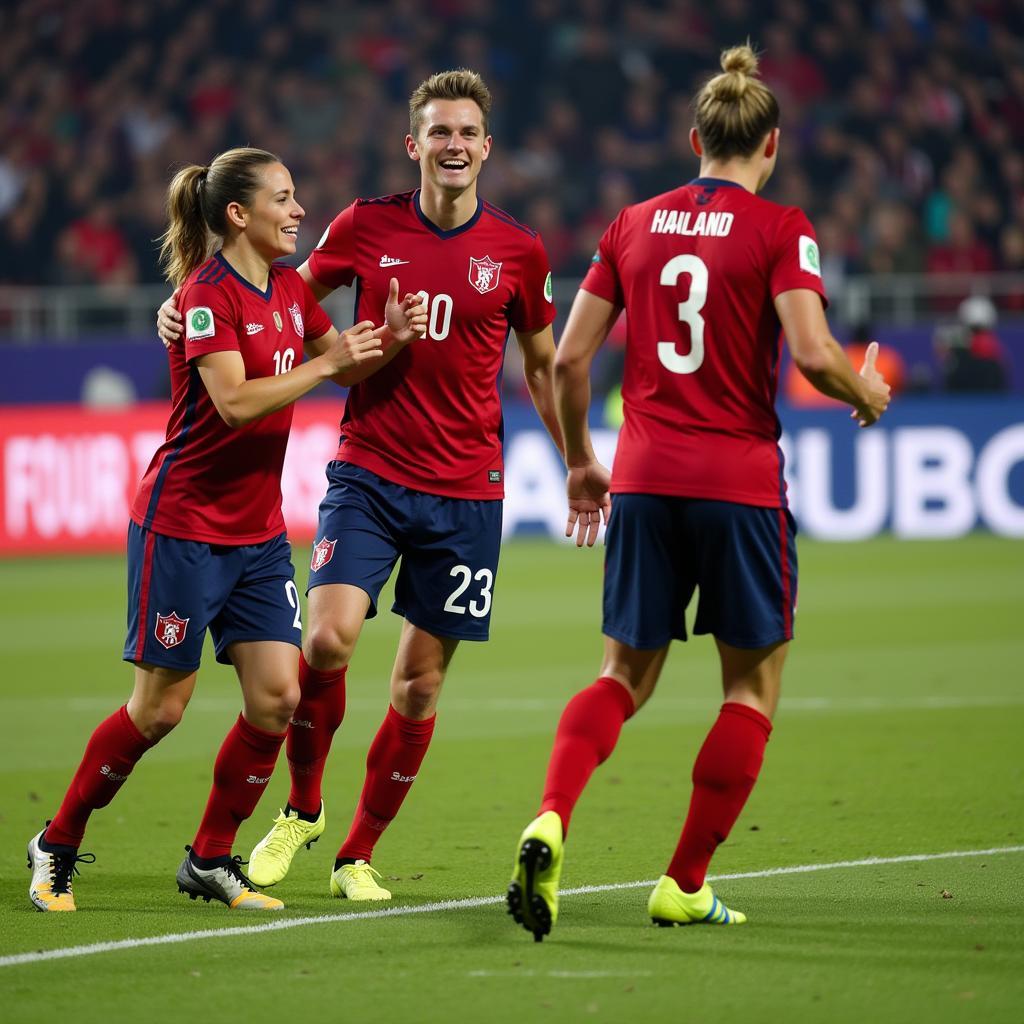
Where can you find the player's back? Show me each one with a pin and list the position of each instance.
(697, 269)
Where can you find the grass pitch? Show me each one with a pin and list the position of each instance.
(899, 734)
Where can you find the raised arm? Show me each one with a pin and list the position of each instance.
(821, 360)
(590, 320)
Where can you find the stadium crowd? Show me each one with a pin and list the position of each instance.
(904, 121)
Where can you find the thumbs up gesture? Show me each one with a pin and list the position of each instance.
(875, 399)
(406, 320)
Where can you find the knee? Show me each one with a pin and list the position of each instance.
(274, 707)
(417, 696)
(157, 720)
(327, 647)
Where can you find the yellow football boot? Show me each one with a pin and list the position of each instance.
(533, 892)
(669, 905)
(357, 882)
(272, 856)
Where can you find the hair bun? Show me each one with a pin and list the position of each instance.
(740, 59)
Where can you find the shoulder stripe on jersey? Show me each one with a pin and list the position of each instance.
(507, 218)
(397, 199)
(209, 269)
(187, 422)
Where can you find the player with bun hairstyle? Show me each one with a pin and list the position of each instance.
(708, 273)
(206, 542)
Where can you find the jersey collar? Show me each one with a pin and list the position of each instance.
(265, 295)
(431, 226)
(716, 183)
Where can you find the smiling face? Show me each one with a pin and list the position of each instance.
(271, 220)
(451, 145)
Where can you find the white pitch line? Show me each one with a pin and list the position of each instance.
(465, 904)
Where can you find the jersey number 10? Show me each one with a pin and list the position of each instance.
(688, 313)
(440, 308)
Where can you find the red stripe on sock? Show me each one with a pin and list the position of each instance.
(587, 733)
(392, 764)
(240, 775)
(147, 572)
(787, 576)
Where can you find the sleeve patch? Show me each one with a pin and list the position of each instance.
(547, 287)
(323, 237)
(199, 323)
(809, 259)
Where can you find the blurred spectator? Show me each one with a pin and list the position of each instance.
(972, 356)
(903, 135)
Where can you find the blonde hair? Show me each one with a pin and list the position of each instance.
(461, 84)
(735, 110)
(197, 201)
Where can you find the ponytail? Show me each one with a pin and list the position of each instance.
(187, 242)
(197, 199)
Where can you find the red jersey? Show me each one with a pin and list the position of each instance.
(697, 269)
(208, 482)
(431, 419)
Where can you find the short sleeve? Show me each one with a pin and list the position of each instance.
(602, 279)
(333, 261)
(795, 260)
(211, 322)
(533, 305)
(318, 323)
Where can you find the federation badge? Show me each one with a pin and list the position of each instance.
(809, 259)
(323, 552)
(170, 629)
(199, 323)
(278, 322)
(297, 323)
(483, 274)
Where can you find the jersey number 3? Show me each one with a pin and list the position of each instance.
(688, 312)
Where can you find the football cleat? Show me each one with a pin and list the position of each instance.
(51, 875)
(225, 882)
(272, 856)
(357, 882)
(669, 905)
(533, 892)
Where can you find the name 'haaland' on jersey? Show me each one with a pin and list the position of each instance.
(716, 223)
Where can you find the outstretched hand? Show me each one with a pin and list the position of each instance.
(406, 320)
(878, 390)
(589, 502)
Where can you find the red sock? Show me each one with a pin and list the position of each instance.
(587, 733)
(240, 775)
(723, 776)
(110, 755)
(392, 764)
(312, 729)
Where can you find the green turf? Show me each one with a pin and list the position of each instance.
(900, 733)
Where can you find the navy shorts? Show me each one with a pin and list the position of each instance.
(177, 589)
(449, 549)
(659, 549)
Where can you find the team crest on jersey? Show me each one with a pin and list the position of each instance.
(323, 552)
(170, 629)
(297, 323)
(483, 274)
